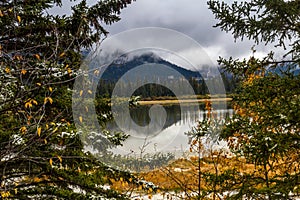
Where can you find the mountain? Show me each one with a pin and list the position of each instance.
(145, 66)
(280, 70)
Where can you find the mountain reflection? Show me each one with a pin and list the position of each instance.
(161, 130)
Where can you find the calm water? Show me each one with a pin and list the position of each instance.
(160, 128)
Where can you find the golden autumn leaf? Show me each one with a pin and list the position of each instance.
(34, 102)
(55, 130)
(23, 129)
(80, 119)
(81, 92)
(90, 92)
(28, 104)
(50, 161)
(39, 130)
(62, 54)
(59, 158)
(7, 70)
(50, 89)
(19, 18)
(69, 71)
(45, 141)
(23, 71)
(18, 57)
(38, 84)
(1, 14)
(37, 56)
(36, 179)
(48, 99)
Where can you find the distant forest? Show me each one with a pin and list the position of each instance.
(106, 87)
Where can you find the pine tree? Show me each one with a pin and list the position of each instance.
(266, 125)
(41, 155)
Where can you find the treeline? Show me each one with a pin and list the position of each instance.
(149, 90)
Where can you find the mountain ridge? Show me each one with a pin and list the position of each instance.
(124, 64)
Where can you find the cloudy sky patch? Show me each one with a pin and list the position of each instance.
(189, 17)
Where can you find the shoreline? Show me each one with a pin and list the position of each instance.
(152, 102)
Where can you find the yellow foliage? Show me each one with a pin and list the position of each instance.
(51, 161)
(39, 130)
(23, 71)
(55, 130)
(37, 179)
(59, 158)
(194, 158)
(23, 129)
(5, 194)
(62, 54)
(37, 56)
(7, 70)
(48, 99)
(19, 18)
(29, 103)
(69, 70)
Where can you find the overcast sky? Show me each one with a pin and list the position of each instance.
(190, 17)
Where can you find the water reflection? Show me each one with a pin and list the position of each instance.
(166, 133)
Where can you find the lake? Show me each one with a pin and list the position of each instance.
(161, 128)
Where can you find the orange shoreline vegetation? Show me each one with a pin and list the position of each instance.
(182, 101)
(183, 173)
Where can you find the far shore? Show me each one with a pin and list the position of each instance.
(175, 101)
